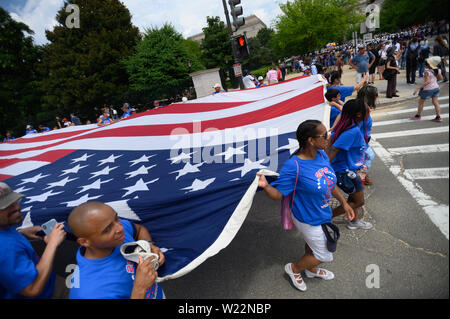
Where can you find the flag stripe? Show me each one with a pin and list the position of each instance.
(50, 156)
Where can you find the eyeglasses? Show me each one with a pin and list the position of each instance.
(325, 136)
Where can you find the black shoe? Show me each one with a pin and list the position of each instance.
(395, 95)
(389, 97)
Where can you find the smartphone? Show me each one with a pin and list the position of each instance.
(48, 226)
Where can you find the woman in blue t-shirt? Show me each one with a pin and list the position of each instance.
(309, 175)
(347, 155)
(334, 82)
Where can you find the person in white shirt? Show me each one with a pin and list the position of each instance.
(249, 81)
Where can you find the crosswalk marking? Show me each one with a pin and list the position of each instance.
(402, 121)
(409, 110)
(420, 149)
(426, 173)
(443, 98)
(434, 130)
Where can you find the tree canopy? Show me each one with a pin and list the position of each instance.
(82, 66)
(19, 94)
(307, 25)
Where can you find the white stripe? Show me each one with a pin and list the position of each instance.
(22, 167)
(443, 98)
(273, 127)
(438, 214)
(420, 149)
(434, 130)
(426, 173)
(402, 121)
(409, 110)
(167, 119)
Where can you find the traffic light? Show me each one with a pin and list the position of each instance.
(242, 47)
(236, 11)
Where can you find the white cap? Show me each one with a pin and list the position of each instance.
(217, 85)
(260, 78)
(184, 99)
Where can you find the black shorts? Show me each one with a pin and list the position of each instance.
(349, 185)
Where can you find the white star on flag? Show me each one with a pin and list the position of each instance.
(85, 198)
(60, 183)
(188, 168)
(33, 179)
(142, 159)
(140, 171)
(41, 197)
(95, 185)
(292, 146)
(249, 166)
(110, 159)
(73, 170)
(138, 187)
(231, 151)
(199, 185)
(22, 189)
(82, 158)
(180, 157)
(104, 171)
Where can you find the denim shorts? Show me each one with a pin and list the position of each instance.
(429, 94)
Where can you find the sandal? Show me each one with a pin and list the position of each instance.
(295, 277)
(328, 275)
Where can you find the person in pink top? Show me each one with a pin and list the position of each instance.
(272, 76)
(430, 88)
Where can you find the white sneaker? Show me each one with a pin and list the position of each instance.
(359, 224)
(328, 275)
(295, 277)
(133, 250)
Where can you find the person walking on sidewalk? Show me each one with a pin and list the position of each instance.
(412, 54)
(441, 49)
(391, 64)
(309, 174)
(347, 154)
(362, 62)
(430, 88)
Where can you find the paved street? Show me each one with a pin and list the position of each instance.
(408, 205)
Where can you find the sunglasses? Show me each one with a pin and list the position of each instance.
(325, 136)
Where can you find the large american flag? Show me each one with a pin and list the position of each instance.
(186, 171)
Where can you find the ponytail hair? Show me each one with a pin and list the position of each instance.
(348, 117)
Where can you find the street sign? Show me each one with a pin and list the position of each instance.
(367, 38)
(237, 70)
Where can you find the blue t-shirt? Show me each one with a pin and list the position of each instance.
(6, 139)
(18, 270)
(30, 131)
(351, 145)
(111, 277)
(316, 181)
(367, 131)
(363, 61)
(344, 90)
(334, 112)
(126, 114)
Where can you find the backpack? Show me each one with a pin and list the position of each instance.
(412, 54)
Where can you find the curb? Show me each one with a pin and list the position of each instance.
(403, 99)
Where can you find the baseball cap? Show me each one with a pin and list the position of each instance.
(361, 46)
(260, 78)
(217, 85)
(8, 196)
(28, 126)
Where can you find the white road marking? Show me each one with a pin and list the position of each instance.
(426, 173)
(402, 121)
(408, 110)
(423, 131)
(420, 149)
(438, 214)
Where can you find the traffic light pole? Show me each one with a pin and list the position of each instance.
(233, 44)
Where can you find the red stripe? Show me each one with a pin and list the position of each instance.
(297, 103)
(49, 156)
(50, 137)
(4, 177)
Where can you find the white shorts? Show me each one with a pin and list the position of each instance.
(316, 240)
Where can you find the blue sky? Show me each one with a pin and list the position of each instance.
(187, 16)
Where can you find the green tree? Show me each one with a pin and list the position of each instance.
(261, 52)
(19, 94)
(307, 25)
(161, 59)
(216, 46)
(398, 14)
(82, 66)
